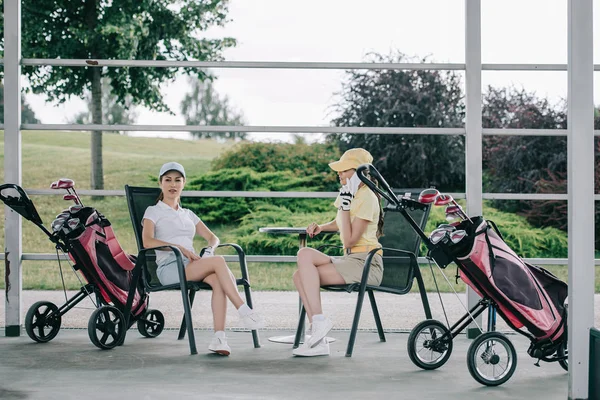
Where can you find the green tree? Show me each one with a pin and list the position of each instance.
(204, 106)
(516, 163)
(114, 112)
(118, 29)
(398, 98)
(27, 113)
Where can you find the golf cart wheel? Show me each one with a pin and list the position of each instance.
(42, 321)
(151, 324)
(563, 353)
(106, 327)
(429, 344)
(491, 359)
(563, 350)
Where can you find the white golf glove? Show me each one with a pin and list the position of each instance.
(353, 184)
(345, 198)
(208, 252)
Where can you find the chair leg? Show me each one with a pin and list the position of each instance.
(359, 303)
(300, 328)
(255, 337)
(422, 292)
(376, 315)
(182, 328)
(187, 315)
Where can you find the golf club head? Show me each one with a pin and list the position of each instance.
(57, 224)
(438, 235)
(73, 223)
(428, 196)
(447, 227)
(453, 216)
(442, 199)
(457, 236)
(64, 214)
(64, 183)
(71, 197)
(453, 209)
(75, 208)
(54, 185)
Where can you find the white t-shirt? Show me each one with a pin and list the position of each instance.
(172, 226)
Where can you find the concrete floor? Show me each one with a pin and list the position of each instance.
(71, 367)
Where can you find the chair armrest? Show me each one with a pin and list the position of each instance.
(242, 261)
(178, 259)
(408, 253)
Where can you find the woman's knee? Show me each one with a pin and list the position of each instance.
(213, 281)
(304, 253)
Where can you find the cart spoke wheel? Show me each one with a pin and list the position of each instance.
(151, 324)
(491, 359)
(42, 321)
(106, 327)
(430, 344)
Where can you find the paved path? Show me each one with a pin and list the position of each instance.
(398, 313)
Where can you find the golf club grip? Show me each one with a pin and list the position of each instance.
(388, 194)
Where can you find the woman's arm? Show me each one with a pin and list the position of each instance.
(314, 228)
(209, 236)
(352, 231)
(149, 241)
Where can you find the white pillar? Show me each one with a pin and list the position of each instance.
(581, 192)
(473, 151)
(12, 162)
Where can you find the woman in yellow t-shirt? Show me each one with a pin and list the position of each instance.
(360, 222)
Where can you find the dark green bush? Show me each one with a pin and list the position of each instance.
(302, 160)
(231, 209)
(270, 215)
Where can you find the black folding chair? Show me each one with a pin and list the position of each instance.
(400, 268)
(140, 198)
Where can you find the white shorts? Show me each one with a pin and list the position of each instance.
(167, 270)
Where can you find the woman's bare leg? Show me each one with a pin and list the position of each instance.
(302, 293)
(218, 302)
(198, 270)
(315, 269)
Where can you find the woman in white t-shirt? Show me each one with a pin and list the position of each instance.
(167, 223)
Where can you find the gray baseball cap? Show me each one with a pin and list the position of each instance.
(171, 166)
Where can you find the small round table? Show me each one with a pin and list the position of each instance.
(301, 232)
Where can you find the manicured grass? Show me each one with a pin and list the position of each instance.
(135, 161)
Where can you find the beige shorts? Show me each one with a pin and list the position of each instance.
(351, 267)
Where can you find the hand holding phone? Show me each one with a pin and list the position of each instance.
(353, 183)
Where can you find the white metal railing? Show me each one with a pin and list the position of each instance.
(286, 65)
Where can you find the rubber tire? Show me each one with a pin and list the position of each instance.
(151, 324)
(472, 355)
(115, 327)
(32, 320)
(412, 344)
(563, 350)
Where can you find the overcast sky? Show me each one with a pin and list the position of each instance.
(513, 31)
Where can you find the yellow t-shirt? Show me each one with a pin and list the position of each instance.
(365, 205)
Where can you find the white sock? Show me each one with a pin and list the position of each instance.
(244, 310)
(220, 334)
(318, 317)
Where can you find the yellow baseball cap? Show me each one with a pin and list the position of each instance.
(351, 159)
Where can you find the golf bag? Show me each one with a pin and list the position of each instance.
(87, 237)
(526, 296)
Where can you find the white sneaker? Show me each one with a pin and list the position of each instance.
(319, 329)
(320, 349)
(253, 321)
(219, 346)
